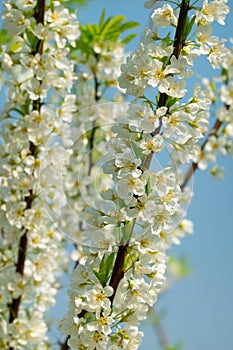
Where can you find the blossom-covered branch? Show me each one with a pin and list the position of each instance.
(139, 203)
(22, 250)
(32, 57)
(179, 42)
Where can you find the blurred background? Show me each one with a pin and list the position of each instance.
(197, 311)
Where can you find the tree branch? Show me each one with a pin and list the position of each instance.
(64, 345)
(194, 165)
(39, 17)
(159, 329)
(22, 249)
(92, 136)
(118, 272)
(179, 42)
(14, 306)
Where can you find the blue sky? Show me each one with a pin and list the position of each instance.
(199, 308)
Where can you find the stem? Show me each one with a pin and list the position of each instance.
(118, 272)
(40, 11)
(22, 252)
(92, 136)
(39, 17)
(159, 329)
(14, 307)
(64, 345)
(179, 43)
(194, 165)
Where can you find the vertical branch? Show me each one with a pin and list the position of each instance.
(118, 272)
(14, 307)
(22, 250)
(39, 17)
(64, 345)
(194, 165)
(179, 42)
(92, 136)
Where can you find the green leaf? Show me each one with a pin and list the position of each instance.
(127, 231)
(178, 346)
(106, 32)
(188, 26)
(167, 38)
(171, 101)
(112, 22)
(112, 35)
(73, 4)
(116, 21)
(225, 75)
(33, 40)
(128, 38)
(105, 269)
(102, 18)
(128, 25)
(109, 265)
(92, 29)
(136, 150)
(178, 267)
(130, 259)
(4, 38)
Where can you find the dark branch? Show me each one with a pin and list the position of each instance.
(118, 272)
(22, 249)
(22, 252)
(92, 136)
(39, 17)
(64, 345)
(40, 11)
(179, 43)
(194, 165)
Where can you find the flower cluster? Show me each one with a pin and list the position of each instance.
(92, 322)
(220, 139)
(139, 213)
(37, 72)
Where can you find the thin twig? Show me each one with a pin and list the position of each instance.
(179, 43)
(93, 130)
(159, 329)
(194, 165)
(64, 345)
